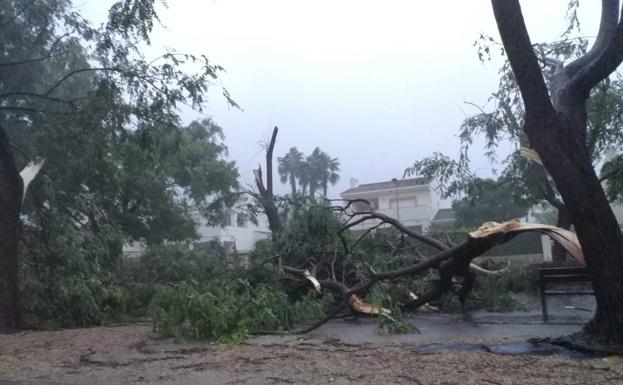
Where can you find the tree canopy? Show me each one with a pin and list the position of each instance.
(120, 163)
(501, 121)
(487, 200)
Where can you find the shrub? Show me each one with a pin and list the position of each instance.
(71, 281)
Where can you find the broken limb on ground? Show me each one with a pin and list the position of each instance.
(453, 263)
(450, 261)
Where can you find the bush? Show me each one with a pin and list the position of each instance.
(72, 281)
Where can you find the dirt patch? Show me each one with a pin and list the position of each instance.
(134, 355)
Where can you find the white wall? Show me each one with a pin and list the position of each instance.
(417, 206)
(244, 237)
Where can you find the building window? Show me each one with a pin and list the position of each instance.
(359, 207)
(241, 220)
(228, 218)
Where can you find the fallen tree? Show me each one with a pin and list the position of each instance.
(452, 263)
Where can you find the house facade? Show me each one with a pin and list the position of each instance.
(238, 234)
(414, 202)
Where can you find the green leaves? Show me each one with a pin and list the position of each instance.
(487, 200)
(452, 176)
(119, 164)
(226, 309)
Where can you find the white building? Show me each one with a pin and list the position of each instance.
(239, 234)
(414, 202)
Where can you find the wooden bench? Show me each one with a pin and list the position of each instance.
(560, 275)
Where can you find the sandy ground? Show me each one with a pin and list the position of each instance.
(132, 354)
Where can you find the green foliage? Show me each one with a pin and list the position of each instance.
(119, 164)
(452, 176)
(168, 265)
(71, 280)
(391, 297)
(613, 172)
(174, 263)
(310, 231)
(501, 120)
(290, 167)
(487, 200)
(228, 310)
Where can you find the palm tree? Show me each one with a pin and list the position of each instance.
(330, 175)
(322, 171)
(315, 166)
(304, 176)
(289, 167)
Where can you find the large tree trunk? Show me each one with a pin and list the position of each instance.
(559, 254)
(10, 199)
(266, 192)
(597, 228)
(556, 128)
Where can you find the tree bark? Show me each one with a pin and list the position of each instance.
(557, 131)
(595, 224)
(266, 193)
(10, 201)
(559, 254)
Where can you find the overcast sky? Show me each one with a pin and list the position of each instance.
(377, 84)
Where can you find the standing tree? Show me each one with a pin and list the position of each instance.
(304, 177)
(330, 174)
(67, 89)
(322, 170)
(555, 124)
(290, 166)
(505, 121)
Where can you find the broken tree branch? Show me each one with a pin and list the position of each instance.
(266, 197)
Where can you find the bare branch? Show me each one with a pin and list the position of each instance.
(38, 96)
(269, 161)
(367, 215)
(78, 71)
(47, 56)
(266, 193)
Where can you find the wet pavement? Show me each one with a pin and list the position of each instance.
(444, 327)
